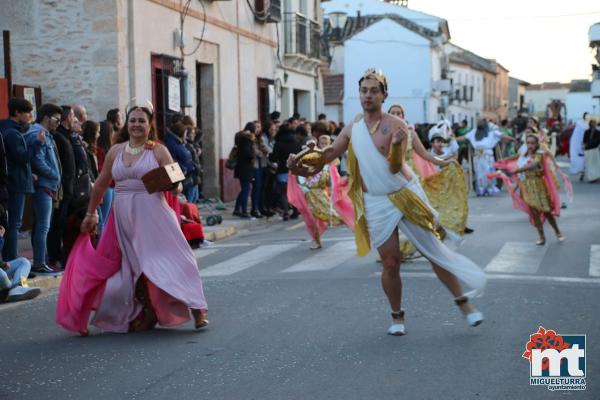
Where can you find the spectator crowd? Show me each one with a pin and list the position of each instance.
(48, 168)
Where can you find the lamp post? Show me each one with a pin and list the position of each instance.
(337, 20)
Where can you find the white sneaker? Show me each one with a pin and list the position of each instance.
(206, 243)
(396, 330)
(19, 293)
(474, 318)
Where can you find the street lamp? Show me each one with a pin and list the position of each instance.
(337, 19)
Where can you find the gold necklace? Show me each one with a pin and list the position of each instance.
(134, 150)
(374, 128)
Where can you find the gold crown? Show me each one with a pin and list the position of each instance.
(377, 75)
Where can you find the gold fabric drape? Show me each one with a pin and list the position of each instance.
(533, 188)
(448, 194)
(319, 201)
(409, 204)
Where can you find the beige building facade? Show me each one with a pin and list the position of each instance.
(221, 62)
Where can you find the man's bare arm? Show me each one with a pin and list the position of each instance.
(340, 145)
(398, 147)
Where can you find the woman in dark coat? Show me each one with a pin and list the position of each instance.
(285, 144)
(90, 134)
(244, 167)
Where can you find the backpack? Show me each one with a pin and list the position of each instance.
(232, 158)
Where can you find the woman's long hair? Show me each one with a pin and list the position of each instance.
(88, 133)
(106, 135)
(123, 135)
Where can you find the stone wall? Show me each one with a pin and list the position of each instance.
(69, 48)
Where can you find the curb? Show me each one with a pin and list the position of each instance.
(51, 282)
(45, 282)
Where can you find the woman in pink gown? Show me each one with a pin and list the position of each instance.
(143, 271)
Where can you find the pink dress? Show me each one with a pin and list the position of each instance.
(147, 235)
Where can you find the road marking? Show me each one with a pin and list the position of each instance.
(201, 253)
(338, 239)
(511, 277)
(326, 258)
(595, 260)
(517, 257)
(246, 260)
(295, 226)
(227, 245)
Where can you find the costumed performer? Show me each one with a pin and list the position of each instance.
(387, 197)
(143, 271)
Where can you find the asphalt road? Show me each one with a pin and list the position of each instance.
(290, 323)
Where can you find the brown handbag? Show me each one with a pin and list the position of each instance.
(163, 179)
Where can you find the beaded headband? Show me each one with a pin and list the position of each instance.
(133, 105)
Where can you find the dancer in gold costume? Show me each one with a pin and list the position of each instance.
(538, 194)
(321, 199)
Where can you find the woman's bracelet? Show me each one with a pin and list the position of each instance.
(94, 214)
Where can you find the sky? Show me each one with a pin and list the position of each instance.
(537, 40)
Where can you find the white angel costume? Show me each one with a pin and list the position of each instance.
(576, 154)
(392, 201)
(483, 159)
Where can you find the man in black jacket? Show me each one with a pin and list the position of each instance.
(3, 185)
(20, 181)
(60, 214)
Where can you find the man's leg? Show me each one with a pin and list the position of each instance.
(453, 285)
(390, 277)
(16, 206)
(42, 208)
(18, 270)
(58, 221)
(282, 190)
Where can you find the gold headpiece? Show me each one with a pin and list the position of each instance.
(377, 75)
(133, 105)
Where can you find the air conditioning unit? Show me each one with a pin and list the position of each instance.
(443, 85)
(267, 10)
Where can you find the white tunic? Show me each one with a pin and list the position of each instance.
(576, 154)
(383, 216)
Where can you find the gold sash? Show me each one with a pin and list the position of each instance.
(409, 204)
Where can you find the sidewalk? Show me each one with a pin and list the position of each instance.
(230, 226)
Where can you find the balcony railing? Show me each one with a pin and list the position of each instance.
(302, 36)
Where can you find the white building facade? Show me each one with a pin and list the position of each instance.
(580, 100)
(466, 96)
(298, 83)
(411, 74)
(405, 44)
